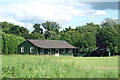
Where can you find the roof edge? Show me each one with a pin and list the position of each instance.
(46, 40)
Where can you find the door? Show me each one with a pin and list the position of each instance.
(57, 52)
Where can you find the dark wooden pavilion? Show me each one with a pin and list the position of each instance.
(45, 47)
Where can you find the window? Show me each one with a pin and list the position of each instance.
(31, 49)
(22, 49)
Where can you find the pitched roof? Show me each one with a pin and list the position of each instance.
(51, 44)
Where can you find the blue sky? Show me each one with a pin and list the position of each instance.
(65, 12)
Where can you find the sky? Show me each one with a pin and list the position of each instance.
(65, 12)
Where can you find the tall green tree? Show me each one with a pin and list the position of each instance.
(37, 28)
(24, 32)
(68, 35)
(119, 37)
(0, 37)
(36, 35)
(88, 34)
(52, 35)
(110, 34)
(10, 28)
(51, 26)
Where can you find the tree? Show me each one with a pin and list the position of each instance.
(52, 35)
(86, 37)
(6, 27)
(36, 35)
(0, 37)
(109, 22)
(24, 32)
(119, 38)
(10, 28)
(37, 28)
(51, 26)
(110, 34)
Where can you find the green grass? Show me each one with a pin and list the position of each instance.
(35, 66)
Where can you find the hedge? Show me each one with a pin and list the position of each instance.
(10, 43)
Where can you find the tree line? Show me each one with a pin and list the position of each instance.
(86, 37)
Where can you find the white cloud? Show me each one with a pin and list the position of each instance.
(38, 11)
(100, 12)
(93, 13)
(79, 4)
(99, 0)
(29, 26)
(12, 21)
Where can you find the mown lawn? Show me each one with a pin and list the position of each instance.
(35, 66)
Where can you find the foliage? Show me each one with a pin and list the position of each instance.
(0, 38)
(51, 26)
(36, 35)
(110, 34)
(10, 28)
(34, 66)
(10, 43)
(51, 35)
(119, 37)
(68, 35)
(87, 37)
(83, 37)
(37, 28)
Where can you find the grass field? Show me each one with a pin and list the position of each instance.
(35, 66)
